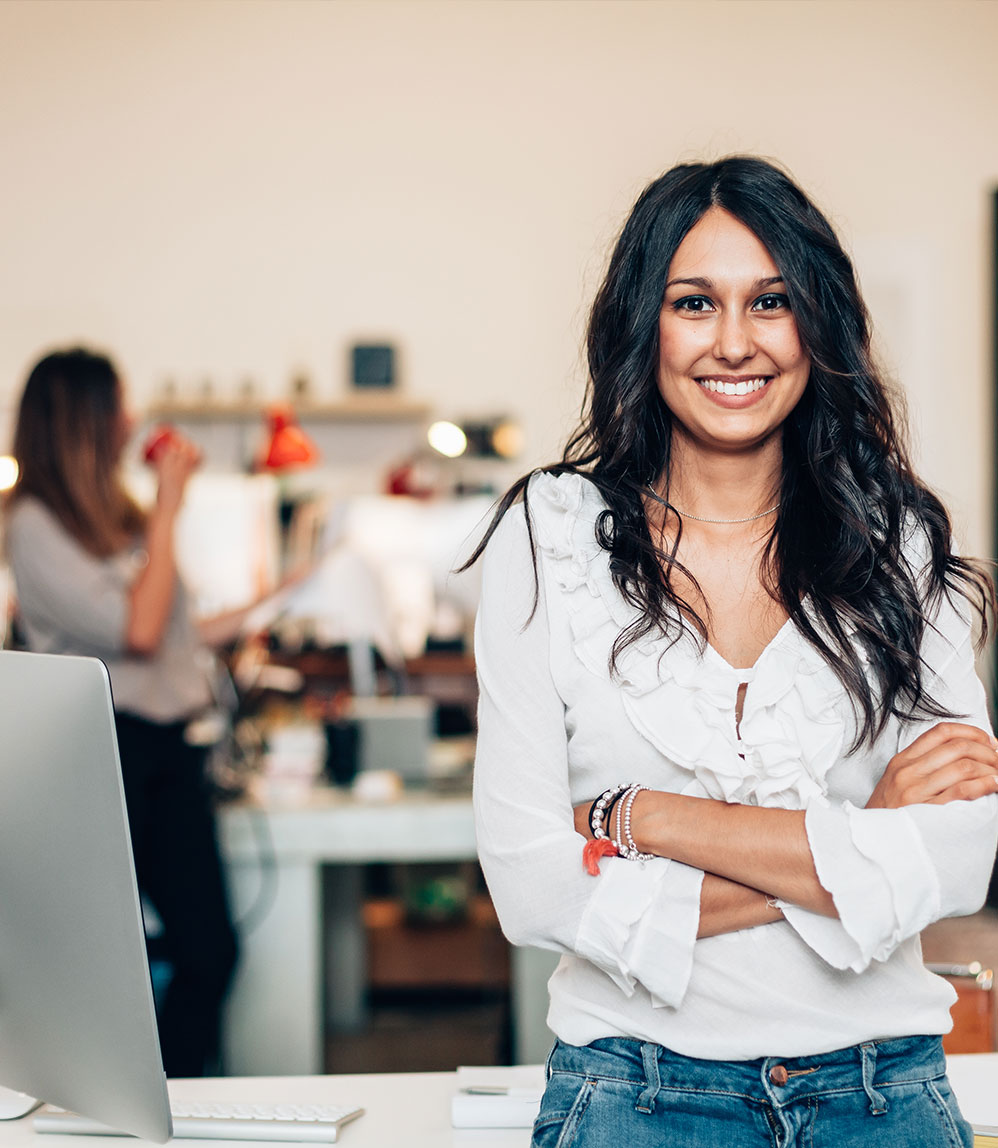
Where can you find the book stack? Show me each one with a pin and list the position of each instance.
(497, 1097)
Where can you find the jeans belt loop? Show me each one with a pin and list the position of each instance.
(646, 1101)
(878, 1103)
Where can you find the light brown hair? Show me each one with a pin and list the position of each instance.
(67, 443)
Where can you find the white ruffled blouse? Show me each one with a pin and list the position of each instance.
(557, 728)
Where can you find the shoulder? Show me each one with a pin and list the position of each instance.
(34, 537)
(557, 513)
(29, 519)
(564, 511)
(566, 493)
(551, 527)
(946, 608)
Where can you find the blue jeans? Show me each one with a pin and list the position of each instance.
(618, 1093)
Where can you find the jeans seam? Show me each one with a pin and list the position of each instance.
(911, 1080)
(812, 1105)
(637, 1083)
(596, 1076)
(682, 1089)
(576, 1113)
(760, 1100)
(946, 1114)
(830, 1091)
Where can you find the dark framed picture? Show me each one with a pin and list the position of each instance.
(372, 366)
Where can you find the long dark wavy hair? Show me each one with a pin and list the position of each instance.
(836, 555)
(67, 442)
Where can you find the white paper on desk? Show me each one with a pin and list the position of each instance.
(974, 1079)
(515, 1108)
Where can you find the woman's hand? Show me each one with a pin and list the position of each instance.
(151, 598)
(950, 762)
(175, 462)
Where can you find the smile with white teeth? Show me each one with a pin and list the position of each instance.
(742, 387)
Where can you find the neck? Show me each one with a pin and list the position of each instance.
(718, 484)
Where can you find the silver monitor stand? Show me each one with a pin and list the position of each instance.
(77, 1025)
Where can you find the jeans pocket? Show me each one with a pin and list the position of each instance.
(957, 1128)
(563, 1105)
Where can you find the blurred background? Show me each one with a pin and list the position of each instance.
(392, 214)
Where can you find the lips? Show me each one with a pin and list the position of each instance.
(729, 386)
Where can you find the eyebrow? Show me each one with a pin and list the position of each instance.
(708, 284)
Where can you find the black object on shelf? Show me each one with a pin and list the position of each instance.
(373, 365)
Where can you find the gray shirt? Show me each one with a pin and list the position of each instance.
(72, 602)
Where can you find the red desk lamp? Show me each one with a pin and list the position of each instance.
(288, 445)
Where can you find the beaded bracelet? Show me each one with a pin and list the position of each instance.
(629, 849)
(598, 813)
(622, 844)
(606, 811)
(600, 844)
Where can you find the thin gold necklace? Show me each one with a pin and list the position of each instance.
(716, 521)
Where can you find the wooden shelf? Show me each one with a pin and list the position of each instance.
(334, 664)
(374, 407)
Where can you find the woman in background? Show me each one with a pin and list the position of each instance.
(733, 755)
(97, 576)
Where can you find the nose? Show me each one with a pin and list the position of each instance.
(734, 340)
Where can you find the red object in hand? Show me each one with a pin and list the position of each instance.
(157, 442)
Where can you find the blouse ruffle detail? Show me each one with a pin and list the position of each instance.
(791, 687)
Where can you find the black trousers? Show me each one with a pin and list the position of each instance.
(179, 871)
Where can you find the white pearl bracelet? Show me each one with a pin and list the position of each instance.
(599, 811)
(623, 840)
(629, 848)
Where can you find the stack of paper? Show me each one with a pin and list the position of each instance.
(497, 1097)
(974, 1079)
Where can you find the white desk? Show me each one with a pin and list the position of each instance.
(410, 1109)
(413, 1109)
(275, 1014)
(975, 1082)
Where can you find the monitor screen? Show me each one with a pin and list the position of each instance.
(77, 1025)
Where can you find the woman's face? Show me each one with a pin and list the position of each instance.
(731, 364)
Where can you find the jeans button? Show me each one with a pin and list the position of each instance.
(778, 1074)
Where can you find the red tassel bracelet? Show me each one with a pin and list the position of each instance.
(593, 850)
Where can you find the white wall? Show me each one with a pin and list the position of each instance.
(221, 189)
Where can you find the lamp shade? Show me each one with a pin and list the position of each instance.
(287, 445)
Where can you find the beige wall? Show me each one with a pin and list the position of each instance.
(240, 188)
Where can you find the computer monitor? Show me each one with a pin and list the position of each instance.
(77, 1024)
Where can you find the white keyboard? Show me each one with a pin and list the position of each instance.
(305, 1123)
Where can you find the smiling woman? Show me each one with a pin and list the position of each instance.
(734, 589)
(732, 345)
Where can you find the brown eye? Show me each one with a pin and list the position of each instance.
(693, 304)
(771, 302)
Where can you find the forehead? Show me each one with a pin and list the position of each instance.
(720, 247)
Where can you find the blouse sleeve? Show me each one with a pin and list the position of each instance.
(63, 590)
(891, 872)
(635, 921)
